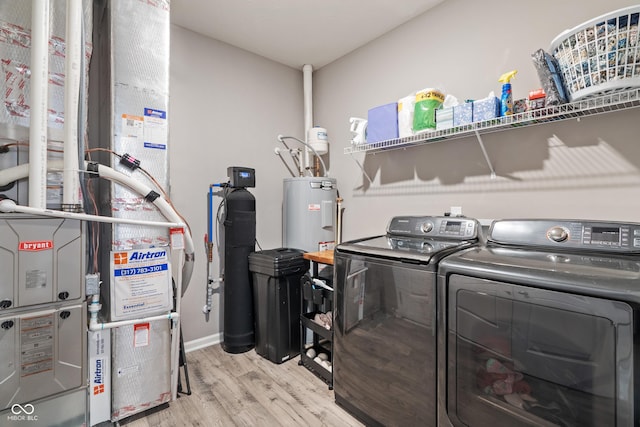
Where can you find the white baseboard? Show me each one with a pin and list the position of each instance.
(203, 342)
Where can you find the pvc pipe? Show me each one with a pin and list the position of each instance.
(82, 104)
(307, 71)
(338, 237)
(165, 208)
(8, 206)
(210, 216)
(20, 172)
(71, 180)
(39, 89)
(9, 175)
(94, 325)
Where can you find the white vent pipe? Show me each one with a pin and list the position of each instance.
(39, 89)
(71, 180)
(20, 172)
(307, 71)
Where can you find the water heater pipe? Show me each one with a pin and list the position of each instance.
(70, 176)
(39, 89)
(325, 172)
(307, 71)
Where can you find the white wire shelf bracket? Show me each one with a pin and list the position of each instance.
(583, 108)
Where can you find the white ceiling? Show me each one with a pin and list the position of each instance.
(296, 32)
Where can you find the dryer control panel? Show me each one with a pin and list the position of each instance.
(455, 228)
(576, 234)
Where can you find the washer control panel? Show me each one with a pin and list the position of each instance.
(595, 235)
(456, 228)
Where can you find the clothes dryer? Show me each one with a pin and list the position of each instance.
(384, 361)
(539, 327)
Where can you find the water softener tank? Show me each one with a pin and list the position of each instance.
(308, 212)
(239, 242)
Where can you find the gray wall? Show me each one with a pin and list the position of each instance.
(227, 107)
(581, 169)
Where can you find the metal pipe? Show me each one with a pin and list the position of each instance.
(39, 89)
(281, 138)
(279, 154)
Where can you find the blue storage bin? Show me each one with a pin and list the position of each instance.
(382, 123)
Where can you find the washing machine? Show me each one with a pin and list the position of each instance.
(539, 327)
(384, 354)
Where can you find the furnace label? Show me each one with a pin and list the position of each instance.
(142, 282)
(36, 350)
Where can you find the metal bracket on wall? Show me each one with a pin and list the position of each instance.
(362, 168)
(486, 156)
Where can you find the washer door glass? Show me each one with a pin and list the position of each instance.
(519, 355)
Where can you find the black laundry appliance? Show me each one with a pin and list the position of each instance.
(384, 366)
(539, 327)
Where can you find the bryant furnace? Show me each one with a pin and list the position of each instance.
(540, 326)
(385, 319)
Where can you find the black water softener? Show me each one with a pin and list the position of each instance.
(239, 242)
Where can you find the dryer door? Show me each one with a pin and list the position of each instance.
(519, 355)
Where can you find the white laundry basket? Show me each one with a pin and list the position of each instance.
(601, 55)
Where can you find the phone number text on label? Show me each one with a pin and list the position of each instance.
(140, 270)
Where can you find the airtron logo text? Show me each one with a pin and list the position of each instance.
(97, 378)
(138, 256)
(120, 258)
(22, 413)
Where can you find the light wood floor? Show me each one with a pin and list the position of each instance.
(247, 390)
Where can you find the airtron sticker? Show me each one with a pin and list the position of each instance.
(34, 246)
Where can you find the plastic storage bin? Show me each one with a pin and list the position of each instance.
(276, 275)
(600, 55)
(382, 123)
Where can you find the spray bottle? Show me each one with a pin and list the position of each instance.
(506, 100)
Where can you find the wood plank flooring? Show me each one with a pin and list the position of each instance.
(247, 390)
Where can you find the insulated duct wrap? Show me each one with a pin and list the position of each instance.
(140, 100)
(15, 58)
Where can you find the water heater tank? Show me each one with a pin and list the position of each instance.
(308, 212)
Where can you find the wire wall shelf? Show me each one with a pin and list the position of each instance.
(586, 107)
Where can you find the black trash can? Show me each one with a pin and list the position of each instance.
(276, 277)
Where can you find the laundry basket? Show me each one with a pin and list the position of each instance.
(601, 55)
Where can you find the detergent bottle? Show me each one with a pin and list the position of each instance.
(506, 100)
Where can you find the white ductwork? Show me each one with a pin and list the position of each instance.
(39, 89)
(307, 76)
(73, 52)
